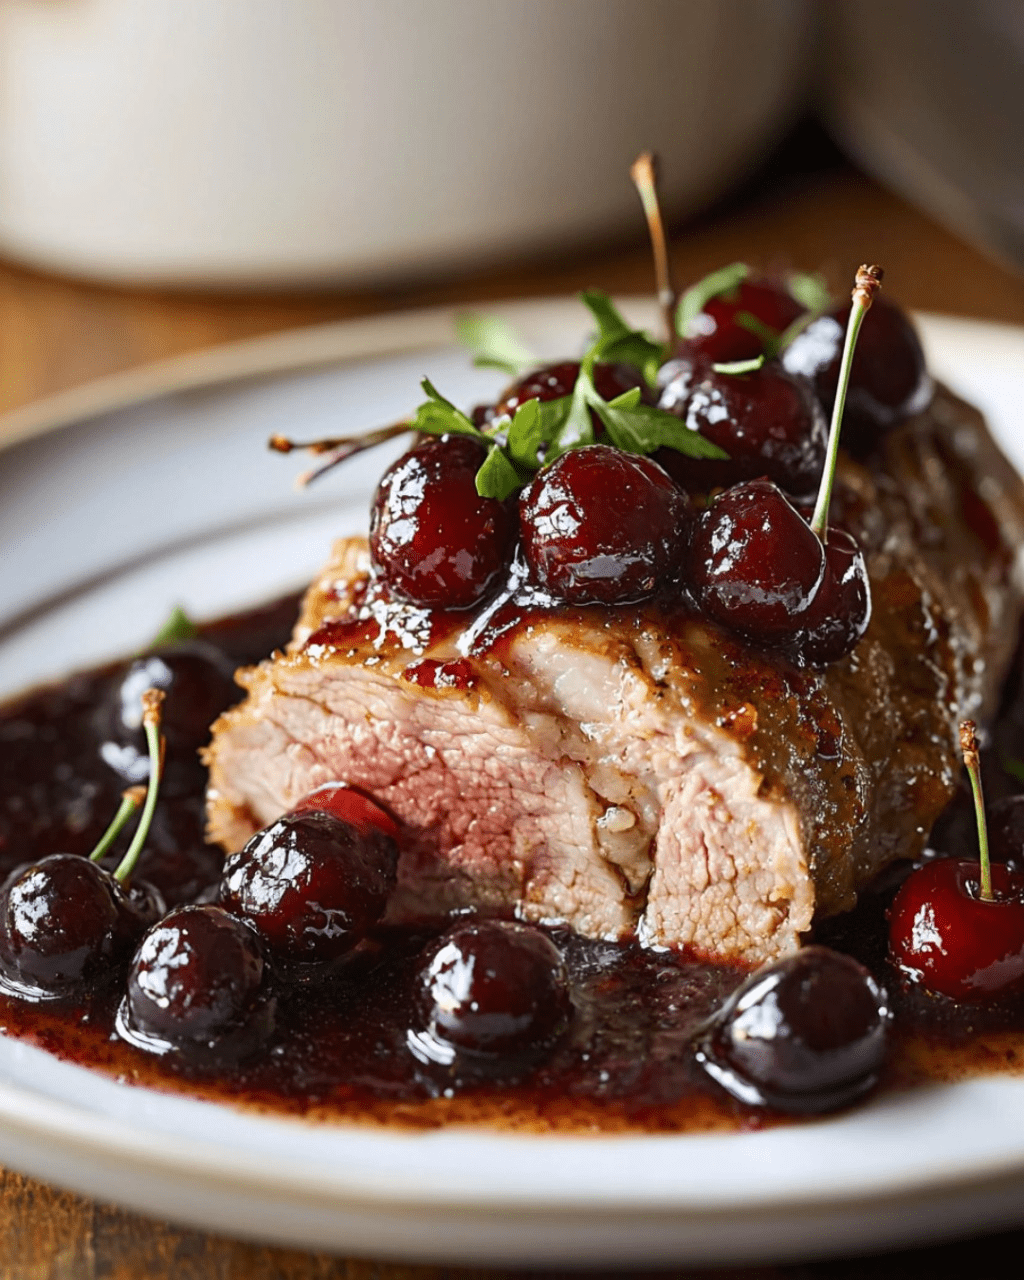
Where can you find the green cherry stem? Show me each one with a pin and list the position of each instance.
(151, 702)
(130, 801)
(969, 746)
(644, 172)
(867, 283)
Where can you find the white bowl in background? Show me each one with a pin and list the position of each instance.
(261, 142)
(929, 96)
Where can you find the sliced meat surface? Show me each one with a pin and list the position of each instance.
(633, 770)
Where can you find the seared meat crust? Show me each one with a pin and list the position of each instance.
(637, 769)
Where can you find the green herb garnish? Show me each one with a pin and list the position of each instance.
(494, 343)
(810, 290)
(740, 366)
(618, 343)
(696, 298)
(178, 628)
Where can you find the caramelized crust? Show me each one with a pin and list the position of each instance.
(637, 769)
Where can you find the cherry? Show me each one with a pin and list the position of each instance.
(600, 526)
(948, 938)
(957, 927)
(433, 540)
(768, 421)
(840, 612)
(554, 381)
(716, 335)
(755, 565)
(199, 683)
(311, 884)
(888, 380)
(759, 568)
(198, 983)
(490, 987)
(348, 805)
(808, 1034)
(66, 923)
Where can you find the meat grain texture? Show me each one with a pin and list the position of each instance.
(631, 771)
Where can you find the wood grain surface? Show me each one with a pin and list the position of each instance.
(55, 334)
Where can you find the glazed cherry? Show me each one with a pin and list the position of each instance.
(348, 805)
(311, 885)
(199, 683)
(768, 422)
(840, 612)
(809, 1034)
(600, 526)
(888, 380)
(755, 564)
(715, 336)
(554, 381)
(491, 987)
(66, 924)
(197, 981)
(433, 540)
(945, 936)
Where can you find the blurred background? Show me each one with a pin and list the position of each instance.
(177, 173)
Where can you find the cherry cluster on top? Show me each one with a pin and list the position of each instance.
(626, 475)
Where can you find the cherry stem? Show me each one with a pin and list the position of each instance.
(867, 283)
(151, 704)
(969, 746)
(644, 172)
(130, 801)
(336, 448)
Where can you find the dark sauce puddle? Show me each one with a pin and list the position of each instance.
(339, 1048)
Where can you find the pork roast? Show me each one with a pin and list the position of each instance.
(627, 770)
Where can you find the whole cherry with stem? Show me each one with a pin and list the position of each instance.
(956, 927)
(65, 921)
(737, 317)
(759, 568)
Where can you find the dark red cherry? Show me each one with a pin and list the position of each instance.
(311, 885)
(554, 381)
(433, 540)
(198, 681)
(714, 336)
(66, 924)
(197, 980)
(600, 526)
(840, 612)
(808, 1034)
(768, 422)
(492, 987)
(888, 381)
(945, 936)
(348, 805)
(755, 565)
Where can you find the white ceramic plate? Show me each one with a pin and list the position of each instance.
(106, 523)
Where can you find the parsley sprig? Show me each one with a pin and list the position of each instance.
(541, 431)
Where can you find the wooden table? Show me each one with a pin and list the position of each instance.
(55, 334)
